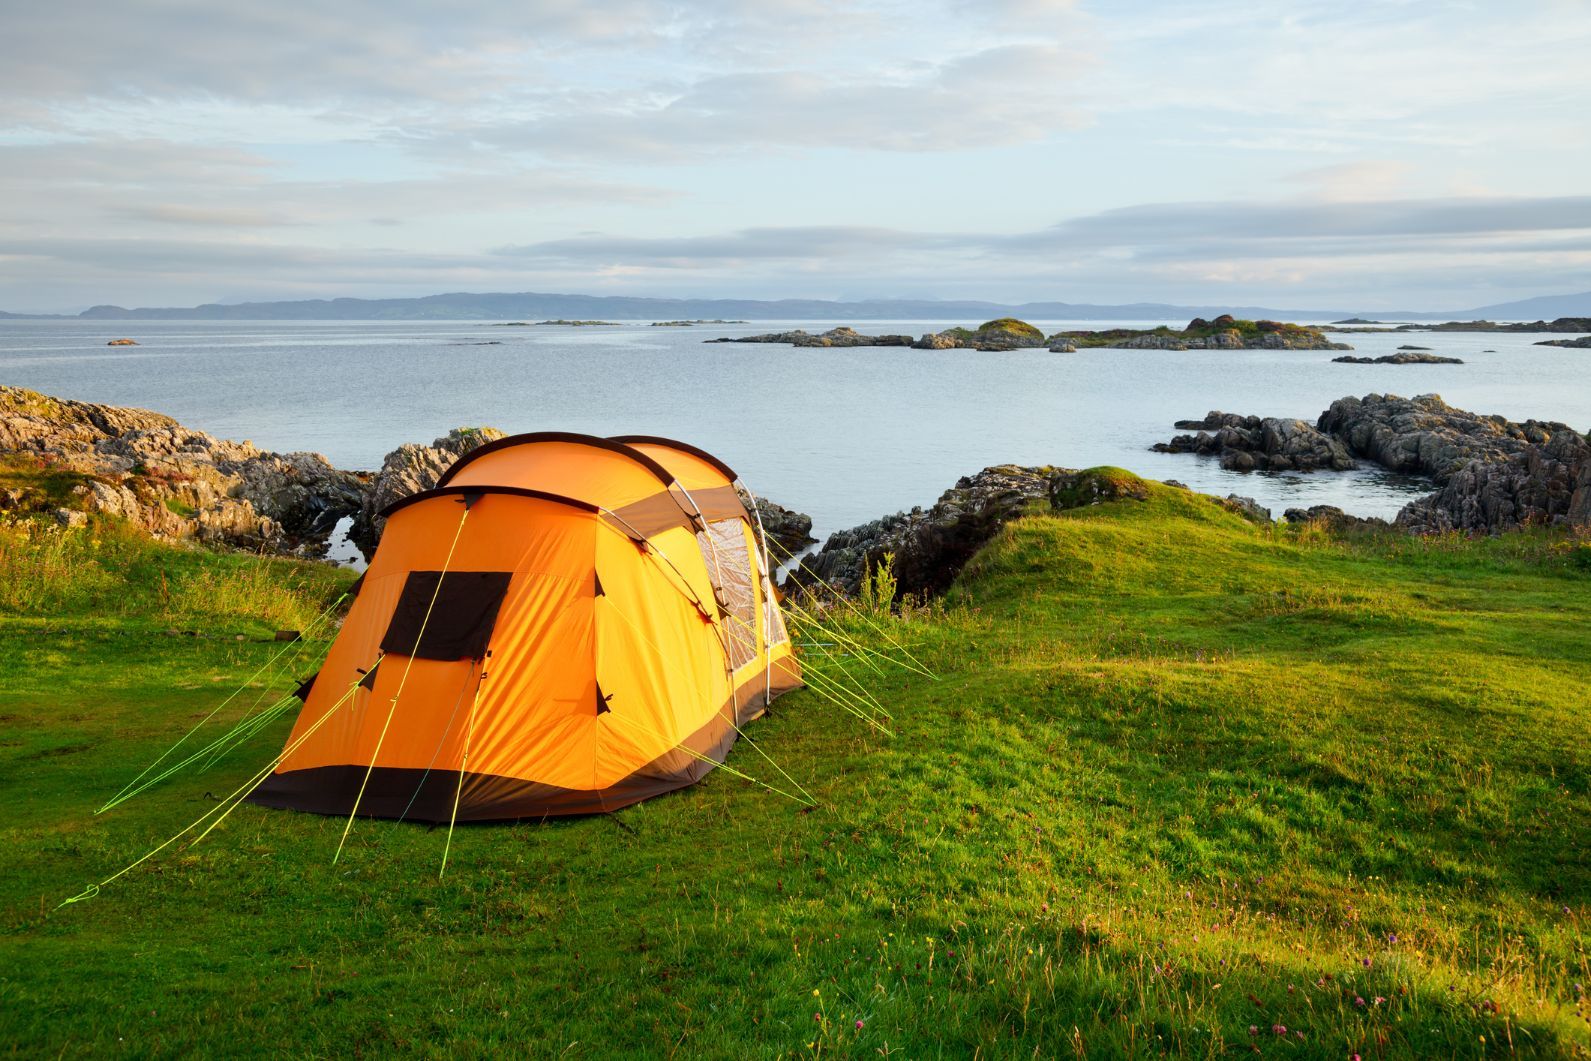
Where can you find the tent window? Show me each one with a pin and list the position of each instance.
(461, 619)
(729, 564)
(775, 633)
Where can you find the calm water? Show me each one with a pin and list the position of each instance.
(846, 435)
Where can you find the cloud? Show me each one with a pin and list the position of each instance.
(1161, 230)
(145, 186)
(292, 49)
(1171, 223)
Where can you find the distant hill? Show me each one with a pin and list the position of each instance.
(536, 306)
(1543, 307)
(532, 305)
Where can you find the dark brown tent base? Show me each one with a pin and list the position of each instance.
(429, 795)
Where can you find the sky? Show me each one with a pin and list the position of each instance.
(1362, 153)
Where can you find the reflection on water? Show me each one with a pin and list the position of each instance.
(341, 550)
(846, 435)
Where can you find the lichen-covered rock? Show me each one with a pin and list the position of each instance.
(408, 470)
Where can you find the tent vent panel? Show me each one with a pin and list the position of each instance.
(461, 619)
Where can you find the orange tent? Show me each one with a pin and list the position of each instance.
(564, 625)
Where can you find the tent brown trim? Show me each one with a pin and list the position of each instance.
(533, 437)
(683, 447)
(663, 510)
(428, 795)
(462, 491)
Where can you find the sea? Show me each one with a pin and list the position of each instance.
(845, 435)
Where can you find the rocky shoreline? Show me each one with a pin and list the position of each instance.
(175, 482)
(1492, 474)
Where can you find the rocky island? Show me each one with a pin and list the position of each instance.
(1582, 343)
(1561, 324)
(1007, 333)
(1402, 357)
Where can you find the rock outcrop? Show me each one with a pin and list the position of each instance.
(832, 337)
(788, 530)
(1403, 357)
(1492, 474)
(407, 470)
(931, 546)
(1582, 343)
(178, 482)
(1006, 333)
(1252, 443)
(1223, 333)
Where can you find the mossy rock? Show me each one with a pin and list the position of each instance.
(20, 401)
(1094, 486)
(1010, 326)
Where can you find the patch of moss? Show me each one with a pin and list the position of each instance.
(40, 485)
(20, 401)
(1095, 485)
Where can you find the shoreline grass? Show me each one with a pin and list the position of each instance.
(1185, 786)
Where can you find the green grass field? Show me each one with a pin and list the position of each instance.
(1184, 786)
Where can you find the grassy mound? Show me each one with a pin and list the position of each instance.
(1185, 785)
(1009, 327)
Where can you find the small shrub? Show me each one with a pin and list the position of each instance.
(879, 586)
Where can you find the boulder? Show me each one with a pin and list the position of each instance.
(1335, 519)
(408, 470)
(1247, 507)
(937, 341)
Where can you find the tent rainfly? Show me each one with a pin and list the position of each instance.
(563, 625)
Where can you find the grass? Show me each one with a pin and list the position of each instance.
(1183, 781)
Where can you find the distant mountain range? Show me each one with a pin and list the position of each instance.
(531, 305)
